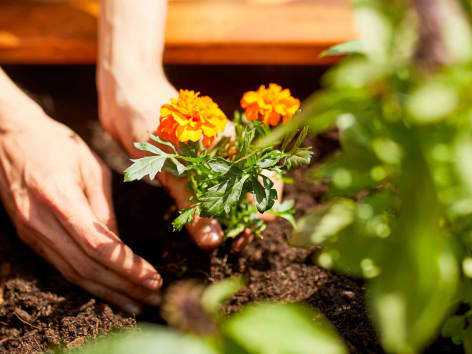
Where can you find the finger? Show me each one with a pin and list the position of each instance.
(206, 232)
(73, 212)
(242, 241)
(128, 305)
(97, 188)
(82, 264)
(123, 302)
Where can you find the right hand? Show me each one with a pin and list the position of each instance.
(129, 112)
(58, 194)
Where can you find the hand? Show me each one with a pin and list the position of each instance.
(58, 194)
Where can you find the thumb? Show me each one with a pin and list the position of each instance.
(206, 232)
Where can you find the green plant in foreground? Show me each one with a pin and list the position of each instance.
(259, 328)
(399, 207)
(221, 174)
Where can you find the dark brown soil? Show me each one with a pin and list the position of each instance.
(41, 310)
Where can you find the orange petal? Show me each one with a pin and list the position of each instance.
(252, 112)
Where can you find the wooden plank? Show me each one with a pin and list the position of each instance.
(198, 32)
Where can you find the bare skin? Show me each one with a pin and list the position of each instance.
(58, 193)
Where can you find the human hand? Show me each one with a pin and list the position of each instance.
(58, 194)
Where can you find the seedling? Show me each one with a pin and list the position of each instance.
(222, 170)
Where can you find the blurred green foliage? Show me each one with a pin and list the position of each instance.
(260, 328)
(399, 207)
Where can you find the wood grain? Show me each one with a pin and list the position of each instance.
(198, 31)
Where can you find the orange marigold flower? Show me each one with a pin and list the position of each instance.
(270, 104)
(191, 117)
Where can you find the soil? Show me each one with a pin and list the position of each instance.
(39, 310)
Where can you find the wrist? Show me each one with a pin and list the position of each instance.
(18, 112)
(131, 85)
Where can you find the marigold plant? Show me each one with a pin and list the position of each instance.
(223, 170)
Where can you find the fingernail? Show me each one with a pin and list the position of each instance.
(153, 283)
(132, 309)
(153, 299)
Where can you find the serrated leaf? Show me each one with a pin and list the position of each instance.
(213, 200)
(264, 195)
(179, 166)
(235, 193)
(186, 216)
(163, 142)
(219, 165)
(270, 160)
(248, 137)
(223, 196)
(302, 156)
(149, 165)
(149, 148)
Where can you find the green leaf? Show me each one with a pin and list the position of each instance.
(302, 156)
(217, 293)
(223, 196)
(149, 148)
(282, 329)
(301, 137)
(270, 159)
(288, 139)
(284, 210)
(219, 165)
(214, 198)
(454, 328)
(163, 142)
(351, 47)
(234, 230)
(264, 195)
(186, 216)
(190, 148)
(416, 289)
(235, 193)
(248, 136)
(179, 166)
(325, 222)
(145, 341)
(149, 165)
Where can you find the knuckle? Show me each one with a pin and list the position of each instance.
(102, 250)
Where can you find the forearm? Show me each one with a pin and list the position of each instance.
(16, 108)
(131, 40)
